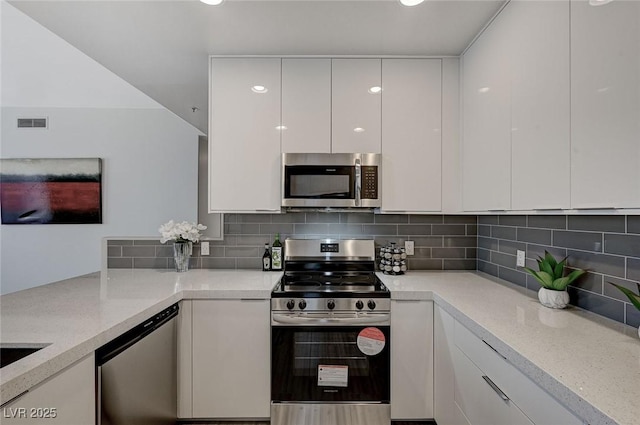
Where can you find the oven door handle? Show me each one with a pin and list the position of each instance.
(364, 319)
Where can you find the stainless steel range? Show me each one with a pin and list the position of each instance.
(330, 355)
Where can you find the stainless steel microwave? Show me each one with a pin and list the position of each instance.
(331, 180)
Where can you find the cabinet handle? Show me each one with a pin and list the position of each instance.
(497, 352)
(497, 389)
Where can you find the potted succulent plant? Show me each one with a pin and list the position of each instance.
(554, 283)
(634, 298)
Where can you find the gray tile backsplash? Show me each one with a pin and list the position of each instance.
(608, 246)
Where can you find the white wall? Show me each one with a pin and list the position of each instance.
(150, 156)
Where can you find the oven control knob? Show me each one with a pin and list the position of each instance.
(371, 304)
(331, 304)
(291, 304)
(359, 305)
(302, 304)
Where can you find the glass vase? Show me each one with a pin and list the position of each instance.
(181, 255)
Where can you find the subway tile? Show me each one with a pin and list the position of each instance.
(460, 219)
(114, 251)
(164, 251)
(537, 236)
(272, 229)
(471, 253)
(120, 263)
(535, 251)
(231, 218)
(321, 217)
(613, 309)
(633, 269)
(448, 252)
(484, 255)
(152, 263)
(460, 241)
(414, 229)
(533, 284)
(383, 241)
(346, 230)
(589, 282)
(448, 229)
(484, 230)
(502, 232)
(228, 240)
(633, 224)
(424, 264)
(138, 251)
(243, 251)
(146, 242)
(622, 244)
(218, 251)
(253, 218)
(428, 241)
(586, 241)
(391, 218)
(598, 263)
(310, 229)
(548, 221)
(472, 229)
(218, 263)
(252, 240)
(513, 276)
(633, 316)
(288, 218)
(487, 267)
(459, 264)
(380, 229)
(512, 220)
(613, 292)
(504, 260)
(487, 219)
(241, 229)
(510, 247)
(120, 242)
(596, 223)
(426, 219)
(422, 253)
(249, 263)
(357, 218)
(488, 243)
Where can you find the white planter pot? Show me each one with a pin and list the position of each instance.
(553, 299)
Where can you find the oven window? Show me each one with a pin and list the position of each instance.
(298, 353)
(313, 181)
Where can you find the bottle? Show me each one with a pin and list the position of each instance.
(276, 254)
(266, 259)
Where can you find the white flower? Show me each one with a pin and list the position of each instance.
(181, 232)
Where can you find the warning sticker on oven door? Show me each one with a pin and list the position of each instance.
(333, 376)
(371, 341)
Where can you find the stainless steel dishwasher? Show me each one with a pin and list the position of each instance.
(136, 374)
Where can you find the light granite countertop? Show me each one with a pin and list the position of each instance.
(590, 364)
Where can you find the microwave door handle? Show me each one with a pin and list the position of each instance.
(358, 183)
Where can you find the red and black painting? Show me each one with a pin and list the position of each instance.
(51, 191)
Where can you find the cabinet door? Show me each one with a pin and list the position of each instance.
(306, 105)
(231, 359)
(67, 398)
(486, 106)
(355, 107)
(605, 105)
(411, 359)
(244, 141)
(540, 168)
(411, 135)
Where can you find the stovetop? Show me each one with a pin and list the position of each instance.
(334, 284)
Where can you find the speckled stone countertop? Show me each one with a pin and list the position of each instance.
(590, 364)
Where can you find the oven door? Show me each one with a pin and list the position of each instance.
(319, 186)
(330, 364)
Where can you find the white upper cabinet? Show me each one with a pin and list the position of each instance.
(356, 105)
(244, 138)
(411, 135)
(540, 121)
(486, 146)
(306, 105)
(605, 105)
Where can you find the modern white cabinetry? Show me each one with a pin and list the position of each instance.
(605, 105)
(306, 105)
(244, 138)
(411, 359)
(486, 148)
(67, 398)
(355, 107)
(231, 359)
(411, 135)
(475, 384)
(540, 105)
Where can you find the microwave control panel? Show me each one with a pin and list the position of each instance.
(369, 182)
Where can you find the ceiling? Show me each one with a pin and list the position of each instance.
(161, 46)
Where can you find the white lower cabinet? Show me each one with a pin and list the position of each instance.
(475, 385)
(230, 371)
(411, 359)
(67, 398)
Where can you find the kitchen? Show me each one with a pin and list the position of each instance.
(498, 234)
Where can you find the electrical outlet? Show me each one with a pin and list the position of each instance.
(204, 248)
(520, 258)
(408, 247)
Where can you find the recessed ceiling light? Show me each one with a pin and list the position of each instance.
(599, 2)
(259, 89)
(281, 127)
(358, 129)
(375, 89)
(411, 2)
(212, 2)
(483, 89)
